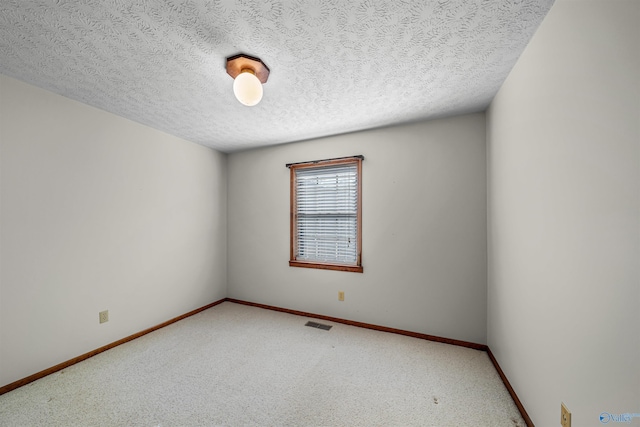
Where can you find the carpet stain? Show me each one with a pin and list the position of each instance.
(435, 400)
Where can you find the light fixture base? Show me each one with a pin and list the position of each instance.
(237, 63)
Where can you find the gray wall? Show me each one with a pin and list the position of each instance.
(564, 215)
(424, 229)
(98, 212)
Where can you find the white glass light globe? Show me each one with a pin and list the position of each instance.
(247, 88)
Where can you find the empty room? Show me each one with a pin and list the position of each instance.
(321, 213)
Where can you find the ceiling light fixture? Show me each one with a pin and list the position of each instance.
(249, 75)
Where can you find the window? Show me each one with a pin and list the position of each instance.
(326, 214)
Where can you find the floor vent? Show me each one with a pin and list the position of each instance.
(319, 326)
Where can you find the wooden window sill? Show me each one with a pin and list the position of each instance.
(326, 266)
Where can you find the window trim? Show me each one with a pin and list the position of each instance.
(293, 220)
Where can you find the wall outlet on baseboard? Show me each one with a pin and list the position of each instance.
(340, 295)
(104, 316)
(565, 416)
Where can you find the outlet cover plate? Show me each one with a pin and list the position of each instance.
(104, 316)
(565, 416)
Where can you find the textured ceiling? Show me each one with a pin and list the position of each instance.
(336, 65)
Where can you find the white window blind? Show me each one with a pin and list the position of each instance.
(327, 214)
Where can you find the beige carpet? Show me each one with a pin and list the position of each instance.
(234, 365)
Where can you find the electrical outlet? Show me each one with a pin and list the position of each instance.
(565, 416)
(340, 296)
(104, 316)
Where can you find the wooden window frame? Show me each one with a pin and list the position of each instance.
(293, 262)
